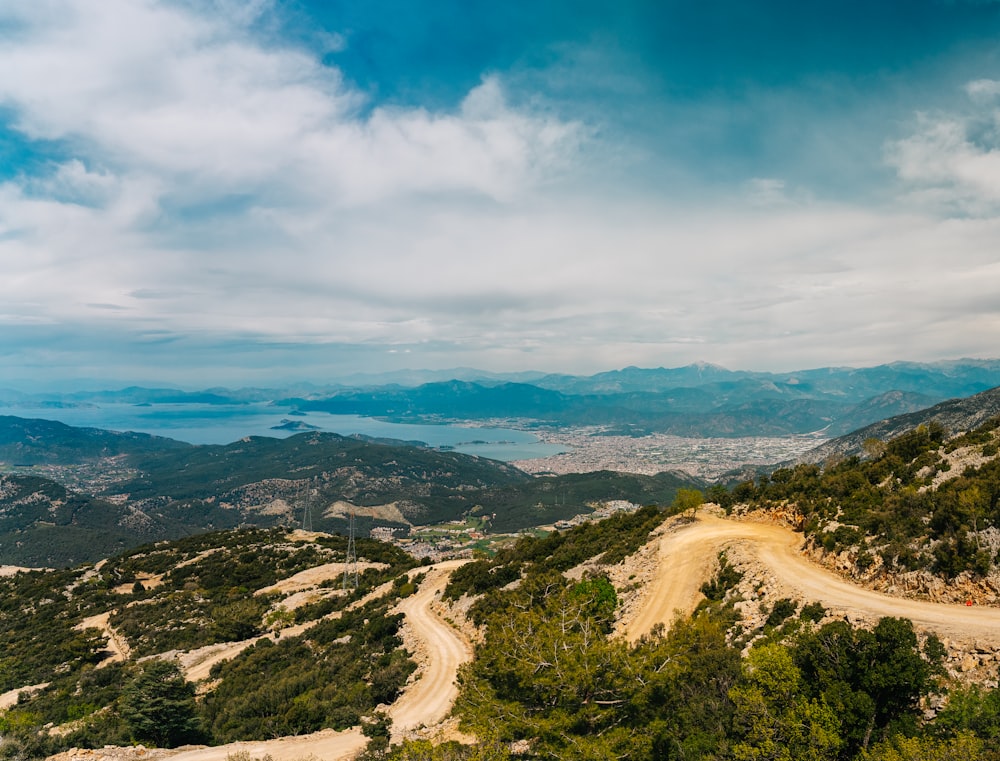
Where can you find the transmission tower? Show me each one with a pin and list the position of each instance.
(351, 562)
(307, 518)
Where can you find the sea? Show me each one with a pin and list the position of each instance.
(225, 423)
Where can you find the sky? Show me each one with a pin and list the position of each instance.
(224, 192)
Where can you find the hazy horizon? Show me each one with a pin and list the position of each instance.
(417, 375)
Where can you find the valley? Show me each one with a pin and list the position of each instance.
(180, 571)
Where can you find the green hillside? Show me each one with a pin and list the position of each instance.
(922, 500)
(185, 595)
(26, 441)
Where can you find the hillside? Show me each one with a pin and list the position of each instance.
(42, 523)
(83, 503)
(329, 655)
(917, 509)
(955, 415)
(247, 636)
(35, 442)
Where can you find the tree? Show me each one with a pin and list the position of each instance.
(775, 720)
(964, 747)
(550, 674)
(873, 680)
(721, 496)
(873, 448)
(688, 499)
(158, 705)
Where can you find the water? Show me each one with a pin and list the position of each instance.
(225, 423)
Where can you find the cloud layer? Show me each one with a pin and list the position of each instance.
(208, 198)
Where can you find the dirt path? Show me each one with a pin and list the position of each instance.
(10, 570)
(311, 578)
(688, 554)
(428, 700)
(116, 643)
(9, 699)
(196, 665)
(326, 745)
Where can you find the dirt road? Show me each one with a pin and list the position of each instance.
(687, 556)
(326, 745)
(9, 699)
(428, 700)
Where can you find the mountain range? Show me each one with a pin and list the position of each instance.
(954, 415)
(699, 400)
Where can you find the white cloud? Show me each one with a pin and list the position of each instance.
(952, 160)
(196, 98)
(222, 190)
(983, 88)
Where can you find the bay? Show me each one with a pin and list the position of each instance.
(225, 423)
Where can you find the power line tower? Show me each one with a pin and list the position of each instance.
(351, 562)
(307, 518)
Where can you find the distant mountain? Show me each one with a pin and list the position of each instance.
(699, 400)
(956, 415)
(742, 407)
(412, 378)
(935, 379)
(640, 379)
(451, 399)
(880, 407)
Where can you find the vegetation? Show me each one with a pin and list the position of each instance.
(330, 677)
(167, 492)
(611, 539)
(37, 634)
(563, 688)
(201, 590)
(888, 505)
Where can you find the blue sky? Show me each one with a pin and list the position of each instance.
(239, 193)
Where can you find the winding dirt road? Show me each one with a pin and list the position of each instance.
(687, 556)
(426, 701)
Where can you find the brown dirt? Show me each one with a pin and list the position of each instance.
(687, 554)
(439, 648)
(116, 643)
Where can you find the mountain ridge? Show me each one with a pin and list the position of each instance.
(956, 415)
